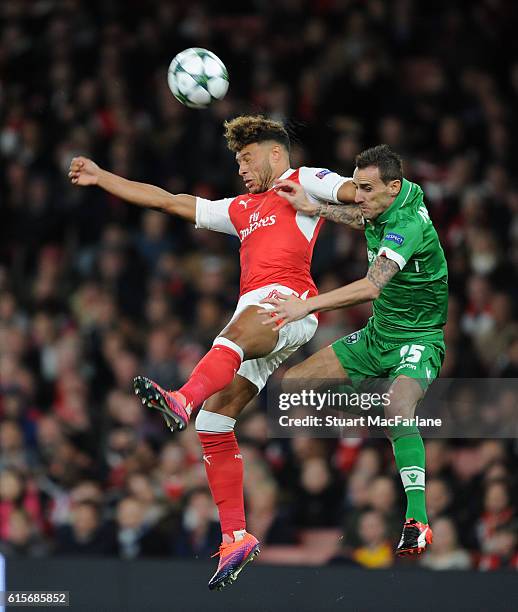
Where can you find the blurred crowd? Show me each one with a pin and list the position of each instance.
(94, 291)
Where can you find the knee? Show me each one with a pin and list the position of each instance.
(231, 410)
(234, 338)
(225, 404)
(399, 409)
(234, 333)
(392, 410)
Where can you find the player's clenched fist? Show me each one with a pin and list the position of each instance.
(83, 171)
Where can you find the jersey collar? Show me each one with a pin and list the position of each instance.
(401, 199)
(285, 175)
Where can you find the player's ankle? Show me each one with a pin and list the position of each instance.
(231, 536)
(180, 396)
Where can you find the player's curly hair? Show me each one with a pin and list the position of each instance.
(248, 129)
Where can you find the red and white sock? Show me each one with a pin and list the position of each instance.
(214, 372)
(224, 468)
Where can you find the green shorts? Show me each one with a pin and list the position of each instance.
(367, 354)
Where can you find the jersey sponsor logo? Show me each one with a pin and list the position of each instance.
(410, 366)
(397, 238)
(322, 173)
(244, 203)
(256, 223)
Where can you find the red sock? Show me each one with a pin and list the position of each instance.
(224, 468)
(214, 372)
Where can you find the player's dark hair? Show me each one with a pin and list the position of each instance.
(249, 129)
(389, 164)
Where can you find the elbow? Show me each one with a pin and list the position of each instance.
(372, 291)
(375, 293)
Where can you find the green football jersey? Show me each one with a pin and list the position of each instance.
(415, 302)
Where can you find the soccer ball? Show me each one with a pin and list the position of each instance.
(197, 77)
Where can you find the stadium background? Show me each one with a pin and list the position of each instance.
(94, 291)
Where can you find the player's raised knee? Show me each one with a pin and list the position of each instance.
(234, 332)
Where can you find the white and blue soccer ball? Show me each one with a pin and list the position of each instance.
(197, 77)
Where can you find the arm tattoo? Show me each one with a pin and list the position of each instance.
(349, 214)
(381, 271)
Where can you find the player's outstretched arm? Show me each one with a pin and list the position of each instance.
(348, 214)
(84, 172)
(288, 308)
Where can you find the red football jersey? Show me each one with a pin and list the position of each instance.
(276, 240)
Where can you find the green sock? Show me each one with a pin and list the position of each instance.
(410, 460)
